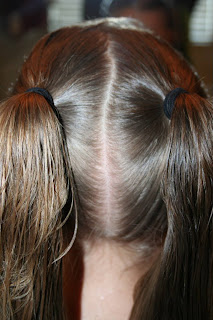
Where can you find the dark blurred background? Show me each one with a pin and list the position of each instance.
(186, 24)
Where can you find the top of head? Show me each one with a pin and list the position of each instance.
(108, 79)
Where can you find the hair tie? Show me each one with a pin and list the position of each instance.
(45, 93)
(169, 101)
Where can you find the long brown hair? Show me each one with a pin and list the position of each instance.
(139, 178)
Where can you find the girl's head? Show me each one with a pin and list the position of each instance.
(108, 80)
(114, 152)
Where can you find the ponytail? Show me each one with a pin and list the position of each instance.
(35, 202)
(179, 286)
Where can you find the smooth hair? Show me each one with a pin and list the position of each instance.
(133, 176)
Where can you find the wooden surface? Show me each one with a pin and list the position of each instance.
(13, 51)
(202, 59)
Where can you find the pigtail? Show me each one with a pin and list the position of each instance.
(179, 286)
(35, 201)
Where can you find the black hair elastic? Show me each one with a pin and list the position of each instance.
(169, 101)
(45, 93)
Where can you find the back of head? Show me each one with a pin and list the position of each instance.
(130, 165)
(108, 81)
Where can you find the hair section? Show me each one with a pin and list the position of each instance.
(35, 201)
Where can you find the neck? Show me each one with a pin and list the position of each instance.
(99, 280)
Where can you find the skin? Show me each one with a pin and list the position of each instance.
(104, 276)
